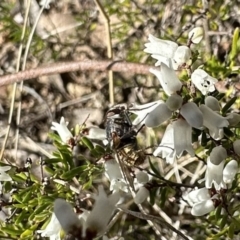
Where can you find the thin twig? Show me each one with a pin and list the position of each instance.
(109, 49)
(116, 66)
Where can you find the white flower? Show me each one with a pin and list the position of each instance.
(62, 130)
(52, 230)
(166, 147)
(3, 175)
(46, 3)
(167, 52)
(233, 118)
(182, 135)
(201, 202)
(196, 35)
(168, 79)
(114, 175)
(214, 122)
(212, 103)
(230, 171)
(236, 147)
(142, 111)
(192, 114)
(141, 195)
(102, 211)
(203, 82)
(95, 133)
(159, 115)
(67, 218)
(214, 175)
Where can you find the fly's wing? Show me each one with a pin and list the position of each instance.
(125, 170)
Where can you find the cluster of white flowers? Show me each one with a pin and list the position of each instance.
(178, 134)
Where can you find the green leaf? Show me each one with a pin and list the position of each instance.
(10, 230)
(153, 168)
(87, 143)
(231, 230)
(229, 104)
(234, 48)
(74, 172)
(26, 234)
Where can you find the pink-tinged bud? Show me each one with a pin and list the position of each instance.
(192, 114)
(236, 147)
(141, 195)
(174, 102)
(212, 103)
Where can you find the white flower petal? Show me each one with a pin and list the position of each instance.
(212, 103)
(141, 195)
(197, 195)
(52, 230)
(160, 47)
(96, 133)
(62, 130)
(66, 216)
(181, 56)
(166, 147)
(236, 147)
(203, 82)
(230, 171)
(202, 208)
(212, 120)
(214, 175)
(168, 79)
(233, 118)
(102, 211)
(192, 114)
(159, 115)
(182, 133)
(196, 35)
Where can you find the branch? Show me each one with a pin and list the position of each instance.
(62, 67)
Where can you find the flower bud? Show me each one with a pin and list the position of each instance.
(212, 103)
(230, 171)
(217, 155)
(196, 35)
(181, 56)
(192, 114)
(142, 177)
(236, 147)
(141, 195)
(174, 102)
